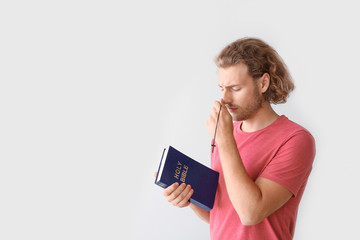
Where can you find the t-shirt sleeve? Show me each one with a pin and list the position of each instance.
(292, 164)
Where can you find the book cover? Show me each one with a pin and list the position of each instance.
(177, 167)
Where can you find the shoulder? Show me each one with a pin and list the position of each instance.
(297, 138)
(288, 136)
(289, 129)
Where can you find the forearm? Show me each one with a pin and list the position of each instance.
(252, 199)
(244, 194)
(201, 213)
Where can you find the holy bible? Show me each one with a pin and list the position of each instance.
(177, 167)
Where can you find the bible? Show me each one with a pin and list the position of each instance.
(177, 167)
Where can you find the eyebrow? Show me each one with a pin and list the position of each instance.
(230, 86)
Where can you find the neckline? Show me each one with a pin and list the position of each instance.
(238, 128)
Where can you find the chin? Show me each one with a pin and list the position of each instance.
(236, 118)
(241, 117)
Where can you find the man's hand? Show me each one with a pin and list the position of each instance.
(178, 195)
(225, 126)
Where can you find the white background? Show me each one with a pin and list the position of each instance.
(91, 91)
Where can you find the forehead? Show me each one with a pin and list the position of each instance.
(234, 75)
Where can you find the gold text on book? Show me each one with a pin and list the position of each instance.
(181, 171)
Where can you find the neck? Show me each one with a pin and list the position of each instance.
(260, 119)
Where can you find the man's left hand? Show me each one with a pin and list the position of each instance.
(225, 124)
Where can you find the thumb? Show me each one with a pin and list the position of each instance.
(223, 107)
(222, 102)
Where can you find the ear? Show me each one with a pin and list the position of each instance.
(264, 82)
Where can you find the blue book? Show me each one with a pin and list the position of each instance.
(177, 167)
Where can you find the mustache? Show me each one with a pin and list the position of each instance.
(231, 106)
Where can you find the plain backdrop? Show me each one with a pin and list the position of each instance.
(91, 92)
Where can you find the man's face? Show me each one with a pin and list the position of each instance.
(239, 92)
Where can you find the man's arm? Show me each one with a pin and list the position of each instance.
(201, 213)
(252, 200)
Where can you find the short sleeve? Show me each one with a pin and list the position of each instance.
(292, 164)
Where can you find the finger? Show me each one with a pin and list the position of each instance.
(210, 124)
(185, 202)
(169, 190)
(222, 102)
(216, 105)
(224, 108)
(155, 174)
(182, 195)
(213, 114)
(173, 197)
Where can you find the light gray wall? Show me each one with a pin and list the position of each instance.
(91, 91)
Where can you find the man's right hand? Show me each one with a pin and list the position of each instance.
(178, 195)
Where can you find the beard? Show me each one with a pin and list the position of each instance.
(244, 113)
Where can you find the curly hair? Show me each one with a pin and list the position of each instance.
(260, 58)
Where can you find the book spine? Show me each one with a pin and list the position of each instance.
(161, 184)
(158, 172)
(206, 208)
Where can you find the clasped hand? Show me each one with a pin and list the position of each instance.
(224, 127)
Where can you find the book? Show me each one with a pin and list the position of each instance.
(178, 167)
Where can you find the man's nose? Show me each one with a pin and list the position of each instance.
(226, 97)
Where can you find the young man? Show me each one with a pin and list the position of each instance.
(264, 159)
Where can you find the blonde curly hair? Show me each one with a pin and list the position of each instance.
(260, 58)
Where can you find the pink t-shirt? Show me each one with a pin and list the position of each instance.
(282, 152)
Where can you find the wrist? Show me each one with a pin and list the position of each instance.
(225, 141)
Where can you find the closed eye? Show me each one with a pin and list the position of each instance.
(231, 87)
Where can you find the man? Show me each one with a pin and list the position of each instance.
(264, 159)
